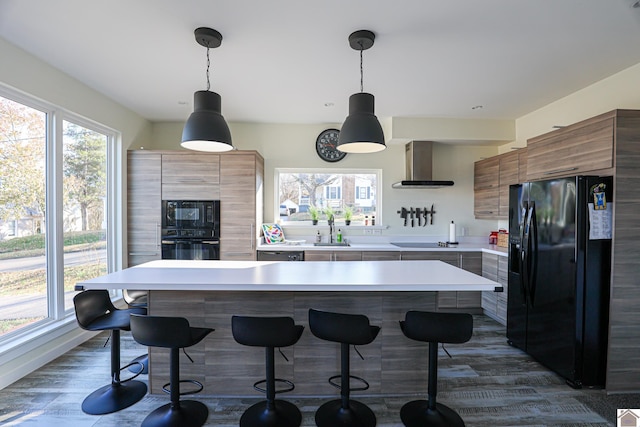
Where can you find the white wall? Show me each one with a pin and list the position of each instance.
(293, 145)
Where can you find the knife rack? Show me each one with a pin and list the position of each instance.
(419, 217)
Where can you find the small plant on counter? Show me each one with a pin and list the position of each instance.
(328, 211)
(314, 213)
(348, 213)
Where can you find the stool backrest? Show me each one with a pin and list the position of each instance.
(91, 305)
(265, 331)
(344, 328)
(159, 331)
(452, 328)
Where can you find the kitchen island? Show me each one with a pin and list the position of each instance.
(208, 293)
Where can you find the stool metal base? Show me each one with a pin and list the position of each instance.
(140, 360)
(285, 414)
(332, 414)
(418, 414)
(114, 397)
(189, 413)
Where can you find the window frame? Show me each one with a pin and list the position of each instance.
(58, 318)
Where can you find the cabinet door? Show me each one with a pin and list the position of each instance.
(187, 176)
(486, 188)
(381, 256)
(581, 148)
(501, 297)
(508, 175)
(317, 256)
(470, 261)
(522, 165)
(143, 207)
(238, 204)
(347, 256)
(490, 271)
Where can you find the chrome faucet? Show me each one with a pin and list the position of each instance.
(331, 228)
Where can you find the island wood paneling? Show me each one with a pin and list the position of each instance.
(392, 363)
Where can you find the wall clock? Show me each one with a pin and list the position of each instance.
(327, 146)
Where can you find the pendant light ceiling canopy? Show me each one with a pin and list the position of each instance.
(206, 129)
(361, 131)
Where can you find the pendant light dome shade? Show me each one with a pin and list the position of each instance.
(206, 129)
(361, 131)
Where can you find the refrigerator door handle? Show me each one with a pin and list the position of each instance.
(533, 253)
(524, 254)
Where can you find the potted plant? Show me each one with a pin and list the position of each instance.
(328, 211)
(314, 213)
(348, 213)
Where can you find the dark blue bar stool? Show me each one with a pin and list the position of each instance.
(434, 328)
(346, 329)
(95, 312)
(269, 332)
(174, 333)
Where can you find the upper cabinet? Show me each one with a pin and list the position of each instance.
(508, 175)
(486, 188)
(190, 176)
(582, 148)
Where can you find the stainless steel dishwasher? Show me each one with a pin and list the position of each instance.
(280, 255)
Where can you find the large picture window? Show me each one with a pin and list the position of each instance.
(347, 194)
(51, 236)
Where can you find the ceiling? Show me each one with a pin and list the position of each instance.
(289, 61)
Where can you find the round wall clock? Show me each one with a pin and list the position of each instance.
(327, 146)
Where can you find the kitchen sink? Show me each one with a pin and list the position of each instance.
(332, 244)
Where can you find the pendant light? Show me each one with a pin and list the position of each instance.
(206, 129)
(361, 131)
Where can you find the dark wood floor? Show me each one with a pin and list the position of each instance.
(486, 381)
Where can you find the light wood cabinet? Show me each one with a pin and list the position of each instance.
(486, 188)
(143, 207)
(585, 147)
(494, 304)
(380, 256)
(508, 175)
(333, 255)
(522, 165)
(190, 176)
(241, 193)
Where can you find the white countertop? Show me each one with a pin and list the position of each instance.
(461, 247)
(293, 276)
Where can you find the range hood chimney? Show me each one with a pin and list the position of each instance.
(419, 164)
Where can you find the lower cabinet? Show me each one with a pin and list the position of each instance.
(494, 304)
(332, 256)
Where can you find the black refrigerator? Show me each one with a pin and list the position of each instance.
(559, 274)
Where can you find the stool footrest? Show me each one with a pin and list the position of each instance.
(278, 380)
(339, 387)
(167, 387)
(134, 363)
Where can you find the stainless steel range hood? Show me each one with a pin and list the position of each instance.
(419, 164)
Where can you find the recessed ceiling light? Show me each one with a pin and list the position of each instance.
(183, 103)
(480, 107)
(329, 104)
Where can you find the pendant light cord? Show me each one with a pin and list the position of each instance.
(208, 65)
(361, 69)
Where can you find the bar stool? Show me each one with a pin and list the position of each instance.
(269, 332)
(95, 312)
(347, 329)
(434, 328)
(174, 333)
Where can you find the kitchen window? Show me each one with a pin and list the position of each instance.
(55, 173)
(336, 190)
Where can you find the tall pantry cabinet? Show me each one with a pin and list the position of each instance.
(234, 178)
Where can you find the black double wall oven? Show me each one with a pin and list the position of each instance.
(191, 229)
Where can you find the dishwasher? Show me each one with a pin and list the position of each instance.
(280, 255)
